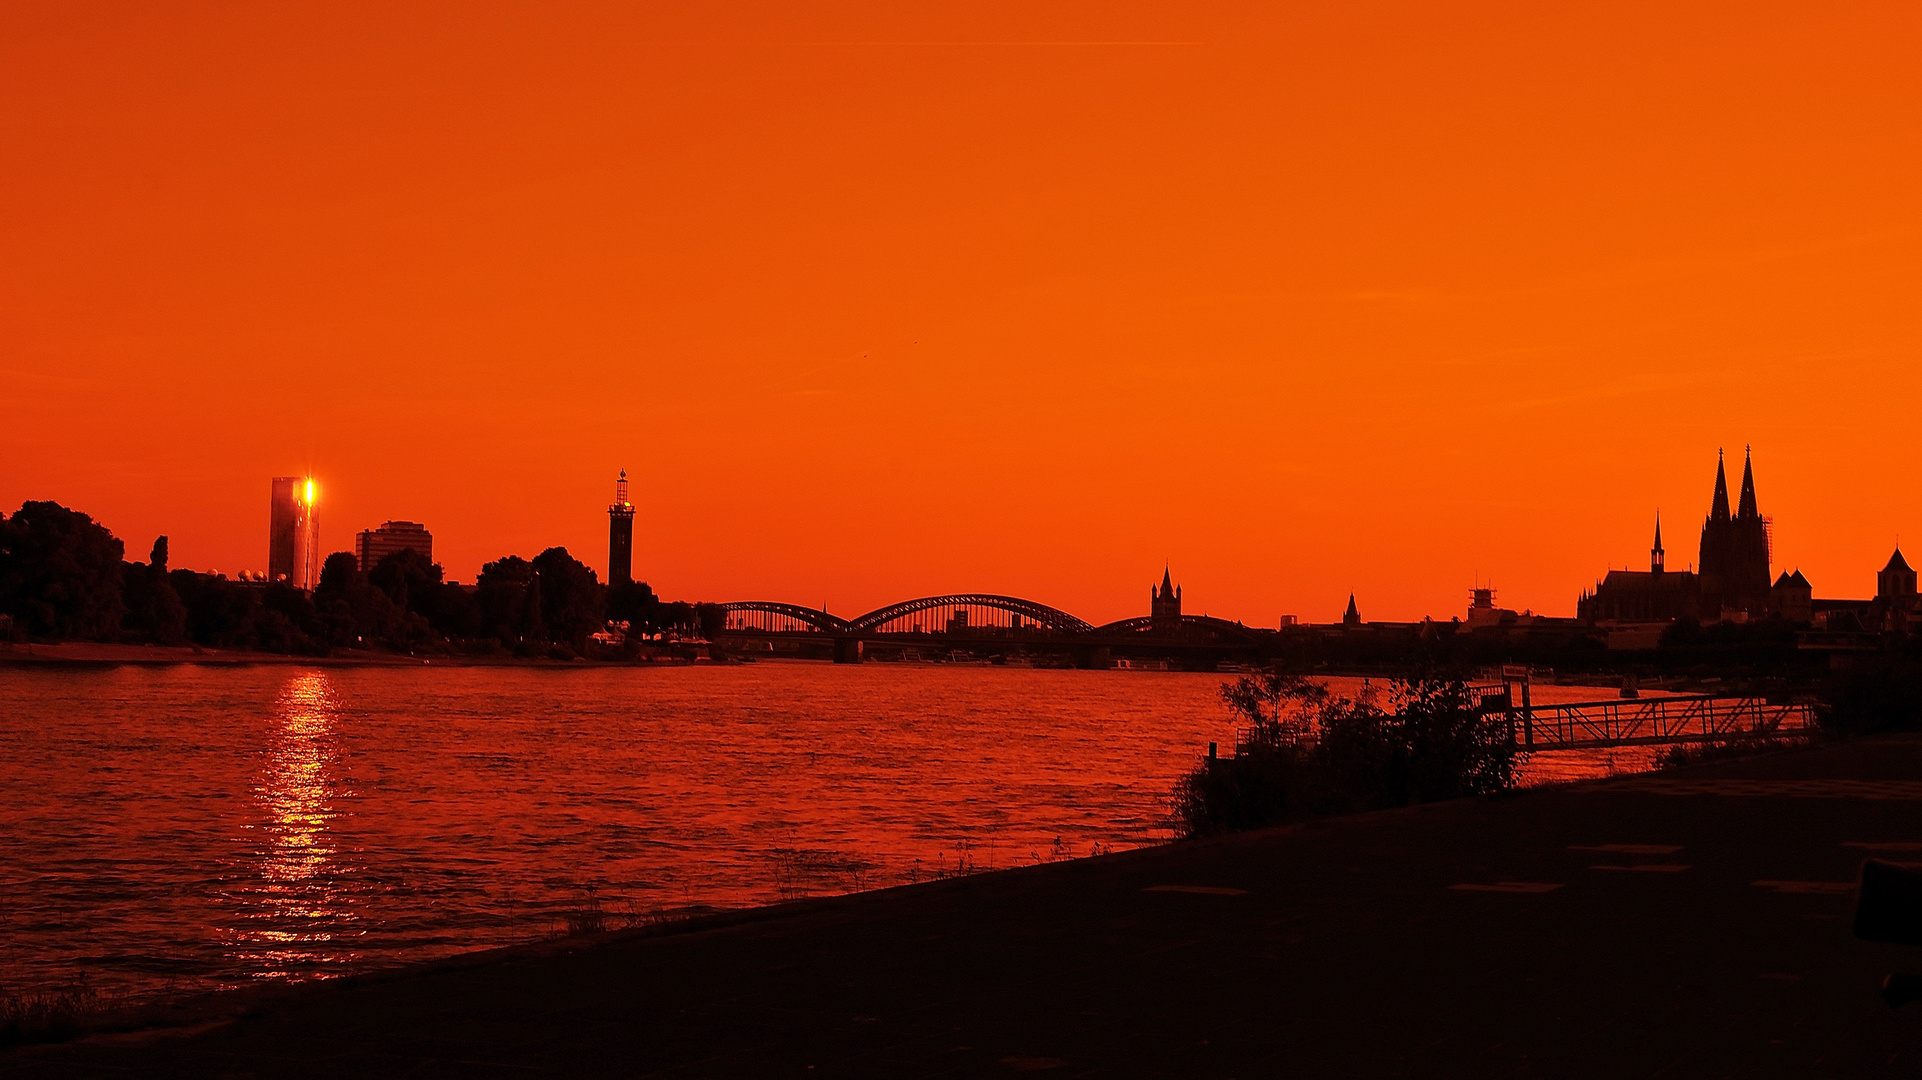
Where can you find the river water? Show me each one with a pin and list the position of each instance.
(193, 827)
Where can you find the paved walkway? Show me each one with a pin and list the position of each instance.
(1681, 925)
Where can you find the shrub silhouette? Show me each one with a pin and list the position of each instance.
(1306, 752)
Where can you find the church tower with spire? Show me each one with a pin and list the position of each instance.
(1657, 558)
(1164, 605)
(1735, 549)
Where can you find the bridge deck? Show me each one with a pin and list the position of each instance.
(1651, 721)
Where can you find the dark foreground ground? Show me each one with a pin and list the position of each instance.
(1682, 925)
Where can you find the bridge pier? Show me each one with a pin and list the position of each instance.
(1096, 658)
(847, 650)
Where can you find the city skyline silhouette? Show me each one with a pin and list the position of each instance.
(877, 539)
(890, 303)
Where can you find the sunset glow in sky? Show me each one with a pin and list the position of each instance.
(875, 303)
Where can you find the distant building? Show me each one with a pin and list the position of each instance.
(1895, 599)
(1487, 619)
(1483, 612)
(293, 533)
(1733, 578)
(392, 538)
(1351, 617)
(1895, 582)
(1792, 598)
(1654, 595)
(620, 535)
(1895, 608)
(1164, 605)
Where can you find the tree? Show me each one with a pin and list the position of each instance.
(679, 616)
(351, 612)
(1279, 708)
(287, 620)
(408, 579)
(154, 610)
(60, 574)
(632, 602)
(572, 602)
(219, 612)
(508, 595)
(456, 615)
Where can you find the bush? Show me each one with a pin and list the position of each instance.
(1879, 693)
(51, 1015)
(1307, 753)
(1683, 754)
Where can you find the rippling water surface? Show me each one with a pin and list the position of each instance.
(189, 827)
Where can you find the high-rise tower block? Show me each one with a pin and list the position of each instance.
(293, 533)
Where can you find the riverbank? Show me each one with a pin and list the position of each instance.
(85, 653)
(97, 654)
(1685, 923)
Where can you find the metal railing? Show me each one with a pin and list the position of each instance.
(1649, 721)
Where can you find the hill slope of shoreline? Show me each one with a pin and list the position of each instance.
(1684, 923)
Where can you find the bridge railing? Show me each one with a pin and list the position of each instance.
(1651, 721)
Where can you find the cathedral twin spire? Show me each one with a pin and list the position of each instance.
(1735, 549)
(1747, 509)
(1718, 510)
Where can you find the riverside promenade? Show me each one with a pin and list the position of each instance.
(1685, 924)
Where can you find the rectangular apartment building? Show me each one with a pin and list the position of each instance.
(392, 537)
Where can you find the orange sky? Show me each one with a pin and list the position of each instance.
(877, 304)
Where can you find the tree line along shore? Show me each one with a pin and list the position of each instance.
(65, 578)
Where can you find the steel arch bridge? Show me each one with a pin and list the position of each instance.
(1040, 614)
(771, 616)
(774, 616)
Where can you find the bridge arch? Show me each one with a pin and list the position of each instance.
(1040, 614)
(1194, 626)
(770, 615)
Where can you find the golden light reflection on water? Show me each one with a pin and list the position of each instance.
(294, 907)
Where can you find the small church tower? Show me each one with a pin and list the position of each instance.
(1895, 593)
(1895, 582)
(1657, 558)
(1164, 605)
